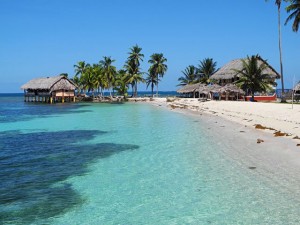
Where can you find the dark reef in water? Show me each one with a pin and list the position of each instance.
(33, 167)
(20, 111)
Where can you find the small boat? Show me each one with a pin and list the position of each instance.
(262, 98)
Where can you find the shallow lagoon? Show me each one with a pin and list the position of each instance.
(131, 164)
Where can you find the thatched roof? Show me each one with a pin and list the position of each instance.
(214, 88)
(227, 71)
(189, 88)
(297, 87)
(50, 83)
(231, 88)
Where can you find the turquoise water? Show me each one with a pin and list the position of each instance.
(127, 164)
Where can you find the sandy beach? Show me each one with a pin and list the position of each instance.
(273, 118)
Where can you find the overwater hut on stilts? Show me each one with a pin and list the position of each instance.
(49, 90)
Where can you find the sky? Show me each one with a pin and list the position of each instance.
(40, 38)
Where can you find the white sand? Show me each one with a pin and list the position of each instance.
(280, 117)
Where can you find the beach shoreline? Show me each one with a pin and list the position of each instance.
(279, 120)
(272, 157)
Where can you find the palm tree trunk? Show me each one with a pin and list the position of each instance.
(132, 86)
(280, 55)
(152, 86)
(135, 90)
(252, 95)
(157, 86)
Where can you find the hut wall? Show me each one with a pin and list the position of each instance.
(63, 93)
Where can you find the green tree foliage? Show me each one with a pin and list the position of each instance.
(252, 77)
(151, 79)
(108, 71)
(132, 66)
(189, 76)
(193, 74)
(121, 85)
(294, 10)
(80, 74)
(207, 67)
(158, 67)
(105, 76)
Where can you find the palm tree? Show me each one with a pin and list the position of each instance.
(252, 76)
(132, 66)
(158, 66)
(189, 76)
(90, 79)
(109, 71)
(80, 69)
(207, 68)
(121, 85)
(295, 8)
(98, 77)
(76, 80)
(134, 79)
(135, 55)
(278, 3)
(151, 79)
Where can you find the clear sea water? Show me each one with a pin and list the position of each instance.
(126, 164)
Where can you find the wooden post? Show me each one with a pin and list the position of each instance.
(51, 100)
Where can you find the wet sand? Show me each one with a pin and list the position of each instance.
(275, 159)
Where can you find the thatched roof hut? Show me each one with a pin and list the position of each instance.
(49, 88)
(231, 88)
(227, 71)
(190, 88)
(50, 84)
(297, 87)
(213, 88)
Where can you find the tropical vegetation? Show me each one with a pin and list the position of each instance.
(294, 9)
(132, 66)
(105, 75)
(207, 68)
(158, 67)
(202, 73)
(190, 76)
(252, 77)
